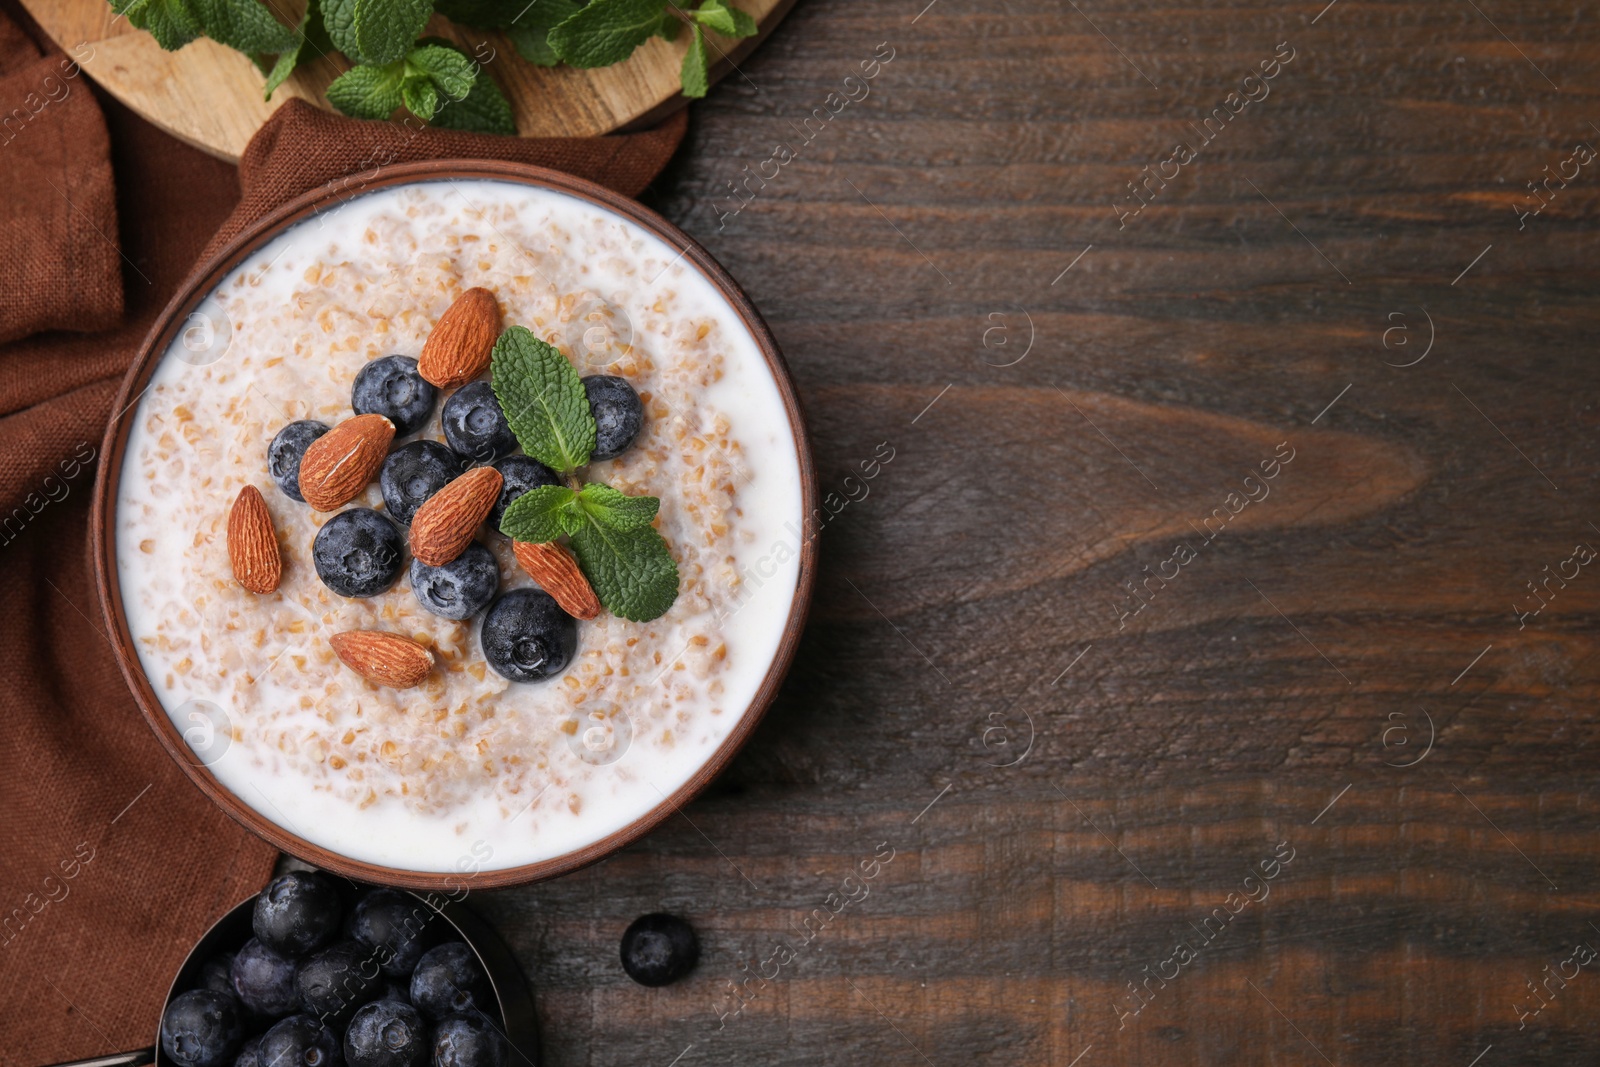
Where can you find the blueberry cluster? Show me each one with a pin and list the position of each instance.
(360, 552)
(322, 984)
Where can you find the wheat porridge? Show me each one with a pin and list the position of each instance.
(416, 770)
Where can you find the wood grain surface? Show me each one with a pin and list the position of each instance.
(210, 96)
(1346, 669)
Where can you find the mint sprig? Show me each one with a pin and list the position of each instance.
(551, 511)
(543, 400)
(375, 32)
(606, 31)
(632, 571)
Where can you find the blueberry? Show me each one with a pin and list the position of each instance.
(202, 1028)
(521, 473)
(413, 473)
(526, 637)
(264, 980)
(468, 1041)
(386, 1033)
(214, 973)
(391, 387)
(459, 589)
(286, 452)
(449, 980)
(336, 981)
(658, 949)
(392, 923)
(296, 913)
(250, 1053)
(475, 426)
(299, 1041)
(358, 553)
(618, 415)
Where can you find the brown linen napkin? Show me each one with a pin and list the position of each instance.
(111, 862)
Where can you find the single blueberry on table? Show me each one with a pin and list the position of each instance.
(412, 473)
(299, 1041)
(358, 553)
(391, 387)
(336, 981)
(264, 980)
(475, 426)
(461, 588)
(392, 923)
(202, 1028)
(469, 1041)
(296, 913)
(520, 473)
(658, 949)
(618, 415)
(386, 1033)
(286, 452)
(526, 637)
(449, 981)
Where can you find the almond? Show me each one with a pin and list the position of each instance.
(557, 573)
(252, 543)
(340, 463)
(443, 527)
(459, 347)
(383, 658)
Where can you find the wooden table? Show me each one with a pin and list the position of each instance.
(1077, 738)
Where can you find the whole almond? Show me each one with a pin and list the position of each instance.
(383, 658)
(461, 342)
(443, 527)
(557, 573)
(252, 543)
(340, 463)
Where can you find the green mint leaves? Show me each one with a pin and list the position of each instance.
(606, 31)
(435, 82)
(375, 32)
(246, 25)
(483, 110)
(625, 559)
(728, 21)
(530, 33)
(311, 41)
(368, 92)
(696, 73)
(543, 400)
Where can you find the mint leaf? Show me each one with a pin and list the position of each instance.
(481, 14)
(451, 72)
(541, 514)
(243, 24)
(616, 510)
(543, 400)
(726, 20)
(312, 42)
(530, 32)
(668, 30)
(420, 97)
(631, 570)
(607, 31)
(696, 73)
(368, 92)
(170, 22)
(483, 110)
(375, 32)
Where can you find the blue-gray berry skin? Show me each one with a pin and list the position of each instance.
(469, 1041)
(393, 923)
(658, 949)
(459, 589)
(387, 1033)
(215, 972)
(288, 448)
(250, 1053)
(358, 553)
(300, 1041)
(336, 981)
(475, 426)
(526, 637)
(202, 1028)
(412, 473)
(449, 981)
(520, 473)
(618, 415)
(391, 387)
(296, 913)
(263, 980)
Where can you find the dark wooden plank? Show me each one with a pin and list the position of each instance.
(1099, 782)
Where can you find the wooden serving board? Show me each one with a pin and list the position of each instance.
(210, 96)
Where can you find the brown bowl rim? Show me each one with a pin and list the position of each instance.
(200, 284)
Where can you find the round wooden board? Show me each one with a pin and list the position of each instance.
(210, 96)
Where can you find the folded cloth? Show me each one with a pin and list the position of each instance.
(111, 862)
